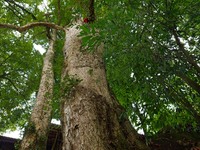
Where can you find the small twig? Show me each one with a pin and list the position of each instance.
(11, 83)
(6, 59)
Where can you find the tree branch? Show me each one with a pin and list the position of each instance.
(14, 3)
(1, 63)
(91, 11)
(15, 87)
(185, 52)
(12, 10)
(189, 81)
(31, 25)
(3, 75)
(58, 13)
(179, 98)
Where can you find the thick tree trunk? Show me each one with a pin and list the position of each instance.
(35, 136)
(90, 116)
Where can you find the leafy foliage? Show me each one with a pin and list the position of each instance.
(20, 63)
(144, 59)
(151, 55)
(20, 67)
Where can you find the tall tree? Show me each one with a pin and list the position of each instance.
(105, 128)
(152, 66)
(90, 115)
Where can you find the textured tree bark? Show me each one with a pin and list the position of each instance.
(35, 136)
(90, 116)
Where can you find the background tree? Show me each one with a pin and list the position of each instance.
(37, 128)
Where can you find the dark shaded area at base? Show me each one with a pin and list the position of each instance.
(7, 143)
(168, 139)
(54, 140)
(176, 139)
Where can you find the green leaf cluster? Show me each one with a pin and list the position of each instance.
(20, 68)
(144, 61)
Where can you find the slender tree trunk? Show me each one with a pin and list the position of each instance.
(35, 136)
(90, 116)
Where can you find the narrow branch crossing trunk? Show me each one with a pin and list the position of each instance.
(194, 85)
(35, 136)
(90, 116)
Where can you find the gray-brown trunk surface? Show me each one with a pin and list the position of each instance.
(90, 116)
(35, 136)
